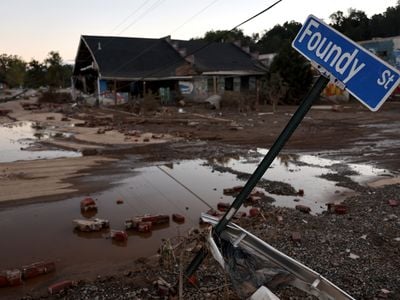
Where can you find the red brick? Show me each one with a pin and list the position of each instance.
(303, 208)
(59, 286)
(296, 236)
(37, 269)
(254, 212)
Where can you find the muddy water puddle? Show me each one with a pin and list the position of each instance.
(45, 231)
(19, 141)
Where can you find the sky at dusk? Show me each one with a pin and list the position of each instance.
(33, 28)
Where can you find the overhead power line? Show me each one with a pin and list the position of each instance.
(130, 15)
(154, 6)
(194, 16)
(256, 15)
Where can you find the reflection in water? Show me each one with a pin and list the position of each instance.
(15, 137)
(89, 213)
(47, 229)
(92, 235)
(285, 159)
(222, 160)
(123, 244)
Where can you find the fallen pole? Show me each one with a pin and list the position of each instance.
(293, 123)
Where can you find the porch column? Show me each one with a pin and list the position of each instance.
(215, 84)
(115, 92)
(73, 91)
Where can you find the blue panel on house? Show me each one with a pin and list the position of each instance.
(103, 86)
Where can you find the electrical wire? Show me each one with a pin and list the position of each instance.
(130, 15)
(256, 15)
(154, 6)
(194, 16)
(185, 187)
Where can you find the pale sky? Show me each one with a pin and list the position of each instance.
(33, 28)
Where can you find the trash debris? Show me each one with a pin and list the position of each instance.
(193, 280)
(214, 102)
(296, 236)
(37, 269)
(239, 215)
(119, 235)
(337, 108)
(223, 206)
(232, 191)
(303, 208)
(252, 263)
(178, 218)
(153, 219)
(10, 278)
(254, 212)
(340, 209)
(89, 151)
(91, 225)
(60, 286)
(144, 227)
(120, 201)
(4, 112)
(253, 199)
(88, 204)
(353, 256)
(263, 293)
(393, 203)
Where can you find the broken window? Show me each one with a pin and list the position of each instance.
(210, 84)
(229, 84)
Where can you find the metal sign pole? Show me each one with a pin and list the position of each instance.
(294, 122)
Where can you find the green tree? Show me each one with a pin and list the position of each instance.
(356, 25)
(273, 40)
(35, 74)
(12, 70)
(295, 72)
(55, 76)
(386, 24)
(230, 36)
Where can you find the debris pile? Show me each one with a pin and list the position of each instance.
(146, 222)
(15, 277)
(91, 225)
(88, 204)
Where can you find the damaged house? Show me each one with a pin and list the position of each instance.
(126, 68)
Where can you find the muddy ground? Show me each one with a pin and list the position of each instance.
(370, 230)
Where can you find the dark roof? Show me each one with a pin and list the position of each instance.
(133, 58)
(120, 57)
(213, 57)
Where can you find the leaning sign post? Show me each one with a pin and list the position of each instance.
(339, 59)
